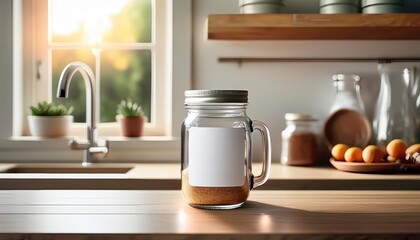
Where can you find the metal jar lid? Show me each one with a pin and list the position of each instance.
(299, 117)
(216, 96)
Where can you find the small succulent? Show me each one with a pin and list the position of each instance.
(50, 109)
(129, 109)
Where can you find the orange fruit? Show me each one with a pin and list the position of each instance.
(338, 151)
(353, 154)
(372, 154)
(396, 148)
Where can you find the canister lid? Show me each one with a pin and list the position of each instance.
(366, 3)
(299, 117)
(216, 96)
(245, 2)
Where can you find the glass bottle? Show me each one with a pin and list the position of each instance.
(216, 149)
(347, 122)
(300, 140)
(395, 115)
(415, 93)
(347, 93)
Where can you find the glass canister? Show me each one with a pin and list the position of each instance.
(216, 149)
(395, 115)
(415, 93)
(300, 140)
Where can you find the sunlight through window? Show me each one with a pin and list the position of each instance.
(114, 37)
(88, 20)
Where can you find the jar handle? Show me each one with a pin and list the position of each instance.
(266, 164)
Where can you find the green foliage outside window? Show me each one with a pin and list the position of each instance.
(124, 73)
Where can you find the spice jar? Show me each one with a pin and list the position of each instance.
(216, 149)
(300, 140)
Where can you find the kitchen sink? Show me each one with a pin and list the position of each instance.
(70, 168)
(97, 176)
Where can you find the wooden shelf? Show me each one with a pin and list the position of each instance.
(314, 27)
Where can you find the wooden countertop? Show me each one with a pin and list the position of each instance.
(77, 214)
(167, 177)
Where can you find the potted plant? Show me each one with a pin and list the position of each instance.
(49, 120)
(131, 117)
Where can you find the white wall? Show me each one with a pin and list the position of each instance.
(278, 88)
(275, 88)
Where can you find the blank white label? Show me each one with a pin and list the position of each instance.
(216, 157)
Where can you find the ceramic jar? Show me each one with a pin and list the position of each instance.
(261, 6)
(383, 6)
(339, 6)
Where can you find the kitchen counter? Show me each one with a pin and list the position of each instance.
(167, 177)
(132, 214)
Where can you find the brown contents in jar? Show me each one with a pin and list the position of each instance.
(213, 195)
(303, 149)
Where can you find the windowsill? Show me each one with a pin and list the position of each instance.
(121, 149)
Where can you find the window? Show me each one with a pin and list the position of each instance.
(25, 83)
(123, 41)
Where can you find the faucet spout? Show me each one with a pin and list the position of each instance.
(89, 79)
(63, 92)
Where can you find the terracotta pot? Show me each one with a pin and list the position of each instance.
(131, 126)
(49, 126)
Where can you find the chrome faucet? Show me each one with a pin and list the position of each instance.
(91, 147)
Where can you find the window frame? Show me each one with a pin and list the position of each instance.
(15, 148)
(40, 88)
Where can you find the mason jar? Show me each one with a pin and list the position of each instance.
(216, 149)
